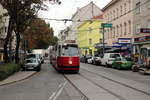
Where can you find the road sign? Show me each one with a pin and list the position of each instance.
(106, 25)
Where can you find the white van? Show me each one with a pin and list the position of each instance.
(108, 58)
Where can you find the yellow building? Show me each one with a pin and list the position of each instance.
(89, 34)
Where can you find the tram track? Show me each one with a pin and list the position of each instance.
(112, 80)
(84, 97)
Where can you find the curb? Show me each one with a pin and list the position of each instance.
(19, 79)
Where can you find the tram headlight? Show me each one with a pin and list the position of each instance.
(70, 62)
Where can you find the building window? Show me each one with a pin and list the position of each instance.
(125, 28)
(109, 33)
(120, 10)
(90, 41)
(120, 29)
(100, 40)
(125, 8)
(114, 14)
(129, 23)
(117, 33)
(129, 2)
(137, 29)
(113, 31)
(138, 7)
(90, 30)
(148, 25)
(149, 5)
(117, 11)
(111, 16)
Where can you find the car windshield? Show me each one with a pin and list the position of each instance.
(114, 55)
(31, 61)
(31, 56)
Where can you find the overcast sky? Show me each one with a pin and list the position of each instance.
(65, 11)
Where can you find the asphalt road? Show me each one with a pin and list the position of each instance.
(117, 84)
(93, 83)
(45, 85)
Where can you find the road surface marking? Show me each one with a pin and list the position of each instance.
(55, 95)
(52, 96)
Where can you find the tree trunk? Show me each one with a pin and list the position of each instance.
(7, 39)
(17, 48)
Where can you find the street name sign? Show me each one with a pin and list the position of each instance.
(106, 25)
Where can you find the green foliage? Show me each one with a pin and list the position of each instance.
(39, 35)
(8, 69)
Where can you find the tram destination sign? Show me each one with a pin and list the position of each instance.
(145, 30)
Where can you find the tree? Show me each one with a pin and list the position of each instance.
(21, 13)
(38, 34)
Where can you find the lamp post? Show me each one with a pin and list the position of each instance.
(103, 26)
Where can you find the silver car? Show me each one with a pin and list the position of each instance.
(32, 64)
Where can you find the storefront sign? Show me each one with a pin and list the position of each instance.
(116, 45)
(142, 39)
(124, 40)
(145, 30)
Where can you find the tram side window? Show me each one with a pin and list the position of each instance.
(59, 51)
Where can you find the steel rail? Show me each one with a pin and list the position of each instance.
(123, 84)
(82, 94)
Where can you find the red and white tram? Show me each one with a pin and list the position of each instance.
(66, 57)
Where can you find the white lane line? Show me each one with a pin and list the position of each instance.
(60, 90)
(55, 95)
(60, 85)
(52, 96)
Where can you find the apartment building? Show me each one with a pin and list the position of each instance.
(3, 28)
(141, 24)
(89, 35)
(119, 13)
(85, 13)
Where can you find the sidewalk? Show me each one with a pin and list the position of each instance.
(21, 75)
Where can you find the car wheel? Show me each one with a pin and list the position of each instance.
(107, 65)
(23, 69)
(38, 69)
(119, 68)
(113, 66)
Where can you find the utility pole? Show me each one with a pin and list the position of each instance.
(103, 31)
(103, 26)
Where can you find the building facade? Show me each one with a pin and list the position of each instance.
(119, 13)
(3, 29)
(89, 34)
(85, 13)
(141, 23)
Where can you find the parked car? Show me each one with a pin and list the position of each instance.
(96, 60)
(108, 58)
(32, 64)
(122, 63)
(84, 59)
(36, 56)
(90, 60)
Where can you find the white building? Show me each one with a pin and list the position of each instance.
(119, 13)
(141, 23)
(4, 20)
(85, 13)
